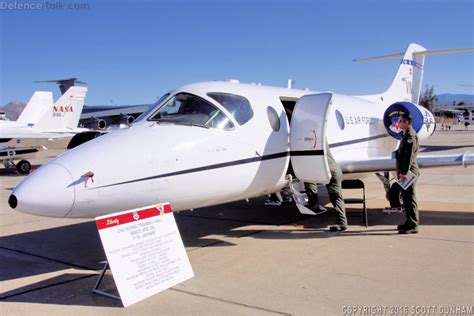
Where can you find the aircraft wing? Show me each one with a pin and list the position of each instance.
(388, 163)
(49, 136)
(112, 115)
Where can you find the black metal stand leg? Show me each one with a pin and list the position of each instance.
(99, 279)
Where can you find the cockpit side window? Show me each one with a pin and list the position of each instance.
(237, 105)
(152, 108)
(188, 109)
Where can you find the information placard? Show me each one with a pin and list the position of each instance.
(145, 251)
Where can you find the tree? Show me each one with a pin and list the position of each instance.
(428, 98)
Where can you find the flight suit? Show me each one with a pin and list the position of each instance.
(334, 188)
(406, 160)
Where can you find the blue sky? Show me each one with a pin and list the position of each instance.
(131, 52)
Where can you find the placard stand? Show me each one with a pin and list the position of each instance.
(95, 289)
(144, 252)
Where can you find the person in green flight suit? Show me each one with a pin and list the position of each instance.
(334, 188)
(406, 161)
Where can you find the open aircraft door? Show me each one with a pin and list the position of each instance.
(308, 138)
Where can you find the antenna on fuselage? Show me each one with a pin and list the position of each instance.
(291, 82)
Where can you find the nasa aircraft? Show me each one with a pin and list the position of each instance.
(102, 116)
(216, 142)
(40, 124)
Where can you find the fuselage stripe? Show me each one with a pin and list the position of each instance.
(355, 141)
(19, 152)
(204, 168)
(319, 152)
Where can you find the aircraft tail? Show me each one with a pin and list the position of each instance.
(65, 113)
(38, 105)
(407, 83)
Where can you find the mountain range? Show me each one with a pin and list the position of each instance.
(13, 109)
(448, 97)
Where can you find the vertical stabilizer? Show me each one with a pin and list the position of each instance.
(65, 113)
(407, 83)
(39, 104)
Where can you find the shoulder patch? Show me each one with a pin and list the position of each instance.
(410, 140)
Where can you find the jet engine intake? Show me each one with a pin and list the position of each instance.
(423, 120)
(97, 123)
(126, 119)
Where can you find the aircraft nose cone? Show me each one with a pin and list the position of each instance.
(12, 201)
(49, 191)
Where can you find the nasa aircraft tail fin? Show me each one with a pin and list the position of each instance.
(407, 83)
(65, 113)
(34, 110)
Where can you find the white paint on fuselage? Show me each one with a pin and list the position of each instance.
(148, 151)
(192, 166)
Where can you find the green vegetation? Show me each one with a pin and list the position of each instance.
(428, 97)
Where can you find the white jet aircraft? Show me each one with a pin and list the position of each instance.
(40, 124)
(217, 142)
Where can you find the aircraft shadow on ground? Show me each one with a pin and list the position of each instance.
(78, 246)
(59, 291)
(312, 227)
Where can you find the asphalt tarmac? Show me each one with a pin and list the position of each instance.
(252, 259)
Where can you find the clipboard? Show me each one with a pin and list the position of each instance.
(409, 179)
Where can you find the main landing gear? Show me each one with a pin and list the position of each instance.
(23, 166)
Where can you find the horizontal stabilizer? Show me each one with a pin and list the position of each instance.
(64, 84)
(424, 53)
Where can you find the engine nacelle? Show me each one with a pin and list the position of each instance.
(97, 123)
(423, 120)
(126, 119)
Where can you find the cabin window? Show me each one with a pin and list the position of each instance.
(237, 105)
(188, 109)
(273, 118)
(340, 120)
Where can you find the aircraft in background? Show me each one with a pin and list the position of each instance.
(39, 126)
(216, 142)
(106, 117)
(102, 117)
(64, 84)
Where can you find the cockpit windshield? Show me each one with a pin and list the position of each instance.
(188, 109)
(152, 108)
